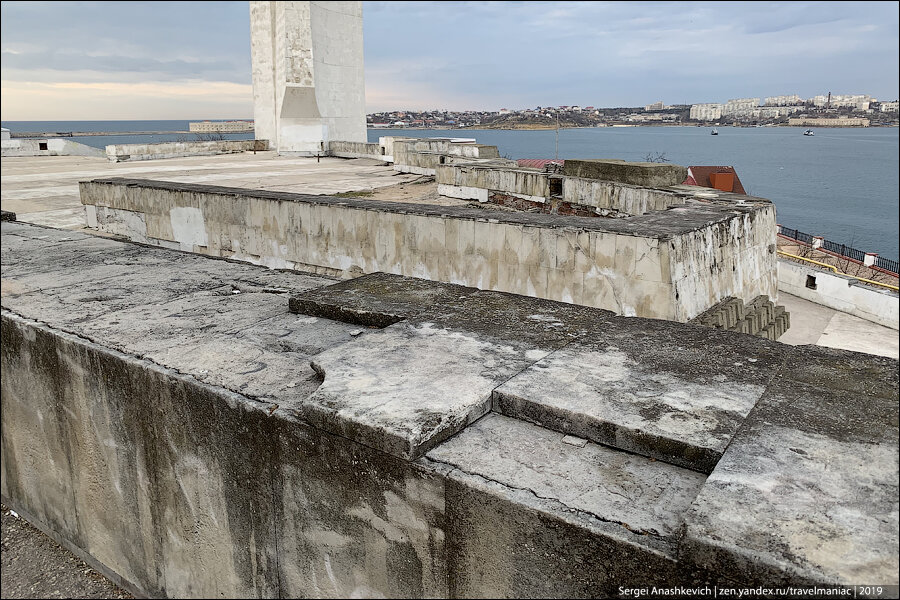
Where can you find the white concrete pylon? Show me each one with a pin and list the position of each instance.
(308, 81)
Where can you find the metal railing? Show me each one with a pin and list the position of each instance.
(843, 250)
(795, 235)
(887, 264)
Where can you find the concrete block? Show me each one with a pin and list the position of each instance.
(795, 524)
(601, 391)
(654, 175)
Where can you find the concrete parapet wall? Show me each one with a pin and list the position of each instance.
(645, 174)
(734, 258)
(839, 292)
(52, 147)
(657, 267)
(129, 152)
(473, 151)
(355, 150)
(423, 155)
(189, 490)
(387, 142)
(629, 199)
(420, 163)
(527, 184)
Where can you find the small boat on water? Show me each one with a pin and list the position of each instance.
(808, 132)
(714, 131)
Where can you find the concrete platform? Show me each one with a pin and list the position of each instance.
(168, 415)
(813, 323)
(44, 190)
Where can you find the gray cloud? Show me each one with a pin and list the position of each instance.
(69, 62)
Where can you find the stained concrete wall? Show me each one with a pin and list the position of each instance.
(841, 293)
(734, 258)
(186, 490)
(423, 155)
(355, 150)
(475, 182)
(619, 197)
(308, 81)
(183, 489)
(471, 181)
(667, 268)
(132, 152)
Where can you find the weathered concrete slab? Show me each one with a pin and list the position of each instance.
(642, 499)
(380, 299)
(521, 503)
(807, 492)
(634, 173)
(228, 321)
(677, 394)
(403, 390)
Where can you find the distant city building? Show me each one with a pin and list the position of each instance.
(740, 107)
(783, 100)
(829, 122)
(890, 106)
(774, 112)
(706, 112)
(856, 101)
(221, 127)
(655, 106)
(646, 118)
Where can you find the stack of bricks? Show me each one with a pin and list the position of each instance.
(760, 318)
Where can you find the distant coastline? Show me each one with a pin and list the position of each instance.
(542, 127)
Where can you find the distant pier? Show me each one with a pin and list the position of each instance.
(61, 134)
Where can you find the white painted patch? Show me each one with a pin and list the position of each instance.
(90, 216)
(188, 227)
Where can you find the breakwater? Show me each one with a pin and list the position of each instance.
(66, 134)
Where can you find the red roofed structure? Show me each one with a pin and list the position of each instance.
(719, 178)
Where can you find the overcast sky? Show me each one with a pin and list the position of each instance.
(191, 60)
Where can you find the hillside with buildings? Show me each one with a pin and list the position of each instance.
(847, 110)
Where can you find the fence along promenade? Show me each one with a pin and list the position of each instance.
(841, 250)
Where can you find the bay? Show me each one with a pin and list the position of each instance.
(841, 183)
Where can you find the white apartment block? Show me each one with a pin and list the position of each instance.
(857, 101)
(783, 100)
(706, 112)
(890, 106)
(740, 106)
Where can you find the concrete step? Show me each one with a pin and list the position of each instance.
(650, 397)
